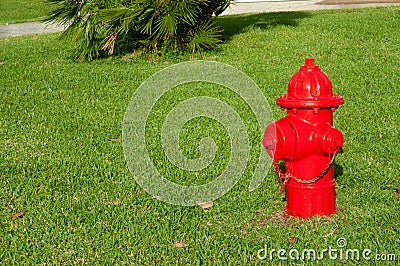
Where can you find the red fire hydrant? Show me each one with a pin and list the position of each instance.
(307, 142)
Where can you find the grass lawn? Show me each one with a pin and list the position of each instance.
(23, 10)
(62, 164)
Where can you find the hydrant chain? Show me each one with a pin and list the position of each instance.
(284, 177)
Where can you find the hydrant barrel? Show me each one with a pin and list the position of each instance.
(306, 141)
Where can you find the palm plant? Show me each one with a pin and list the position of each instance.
(102, 26)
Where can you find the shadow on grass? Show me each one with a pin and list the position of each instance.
(337, 170)
(236, 24)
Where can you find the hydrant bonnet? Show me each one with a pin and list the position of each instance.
(310, 88)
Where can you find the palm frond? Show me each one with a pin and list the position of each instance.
(98, 26)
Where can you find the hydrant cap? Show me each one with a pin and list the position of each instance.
(310, 88)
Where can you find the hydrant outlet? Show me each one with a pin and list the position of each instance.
(329, 141)
(279, 140)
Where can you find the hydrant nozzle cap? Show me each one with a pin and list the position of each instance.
(310, 88)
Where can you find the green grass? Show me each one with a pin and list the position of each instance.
(23, 10)
(58, 162)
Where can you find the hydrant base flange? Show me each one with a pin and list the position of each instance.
(310, 202)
